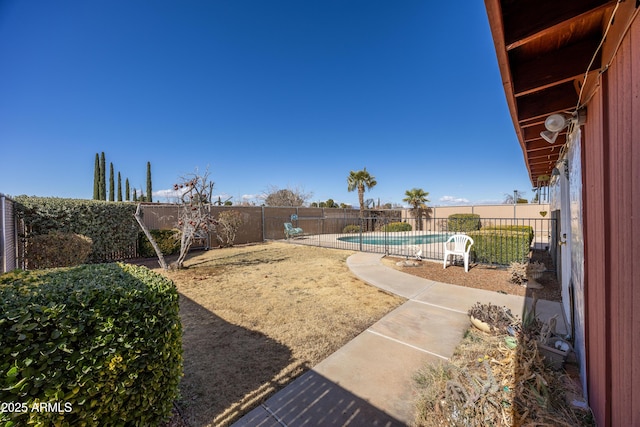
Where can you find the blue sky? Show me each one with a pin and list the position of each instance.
(266, 93)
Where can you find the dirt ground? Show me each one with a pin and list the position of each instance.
(256, 317)
(485, 277)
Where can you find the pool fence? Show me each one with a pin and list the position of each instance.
(380, 235)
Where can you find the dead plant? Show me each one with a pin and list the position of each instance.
(498, 318)
(488, 383)
(518, 272)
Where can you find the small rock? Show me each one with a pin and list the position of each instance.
(407, 264)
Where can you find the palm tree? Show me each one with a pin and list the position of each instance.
(361, 180)
(417, 198)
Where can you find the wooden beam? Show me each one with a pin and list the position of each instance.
(535, 174)
(545, 157)
(532, 132)
(525, 20)
(542, 144)
(536, 121)
(556, 67)
(542, 166)
(547, 150)
(545, 102)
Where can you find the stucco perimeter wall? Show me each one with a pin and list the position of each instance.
(524, 213)
(520, 211)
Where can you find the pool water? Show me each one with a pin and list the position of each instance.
(390, 239)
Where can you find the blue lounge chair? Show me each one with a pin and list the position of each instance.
(291, 231)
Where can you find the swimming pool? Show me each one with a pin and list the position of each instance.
(391, 239)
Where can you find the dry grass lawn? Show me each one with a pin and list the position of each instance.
(255, 317)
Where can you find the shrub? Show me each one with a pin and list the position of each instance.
(111, 226)
(518, 228)
(58, 249)
(499, 246)
(105, 339)
(228, 224)
(463, 223)
(167, 240)
(393, 227)
(352, 228)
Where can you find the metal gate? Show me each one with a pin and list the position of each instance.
(8, 235)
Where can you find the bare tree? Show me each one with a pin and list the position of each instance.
(516, 197)
(228, 224)
(194, 217)
(145, 229)
(286, 196)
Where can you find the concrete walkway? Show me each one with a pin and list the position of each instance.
(369, 381)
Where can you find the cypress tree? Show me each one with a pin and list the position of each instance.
(127, 192)
(135, 196)
(96, 178)
(103, 176)
(148, 198)
(111, 184)
(119, 187)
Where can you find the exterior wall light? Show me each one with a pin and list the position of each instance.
(549, 136)
(555, 123)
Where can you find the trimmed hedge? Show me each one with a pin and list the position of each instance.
(500, 246)
(111, 226)
(352, 228)
(393, 227)
(167, 240)
(58, 249)
(518, 228)
(102, 340)
(463, 223)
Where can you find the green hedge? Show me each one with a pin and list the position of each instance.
(111, 226)
(463, 223)
(500, 246)
(517, 228)
(396, 226)
(58, 249)
(167, 240)
(352, 228)
(102, 340)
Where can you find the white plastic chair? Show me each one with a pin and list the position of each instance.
(460, 248)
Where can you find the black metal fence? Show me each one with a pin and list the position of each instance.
(496, 240)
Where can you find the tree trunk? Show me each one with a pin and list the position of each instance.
(186, 240)
(161, 260)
